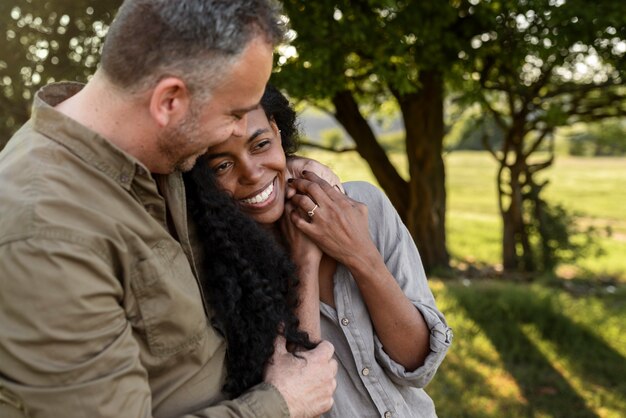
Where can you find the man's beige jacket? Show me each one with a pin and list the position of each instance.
(101, 312)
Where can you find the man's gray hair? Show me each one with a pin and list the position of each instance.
(195, 40)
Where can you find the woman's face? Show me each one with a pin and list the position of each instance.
(252, 168)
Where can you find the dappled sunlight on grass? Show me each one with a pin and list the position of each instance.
(529, 351)
(472, 382)
(604, 315)
(602, 400)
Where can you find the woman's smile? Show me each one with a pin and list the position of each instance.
(252, 167)
(261, 199)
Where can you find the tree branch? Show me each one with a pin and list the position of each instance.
(325, 148)
(538, 141)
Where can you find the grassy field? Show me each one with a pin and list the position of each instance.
(592, 188)
(525, 350)
(540, 349)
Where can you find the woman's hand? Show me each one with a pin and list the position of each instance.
(304, 252)
(339, 226)
(335, 222)
(298, 165)
(307, 257)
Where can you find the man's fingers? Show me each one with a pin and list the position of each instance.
(324, 349)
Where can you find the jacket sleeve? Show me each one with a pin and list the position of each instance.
(263, 400)
(403, 261)
(66, 346)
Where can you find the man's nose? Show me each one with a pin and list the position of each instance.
(241, 126)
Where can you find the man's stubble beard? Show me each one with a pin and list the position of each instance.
(179, 136)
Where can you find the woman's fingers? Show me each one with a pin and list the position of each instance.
(304, 205)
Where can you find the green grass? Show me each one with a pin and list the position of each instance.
(592, 188)
(544, 349)
(530, 351)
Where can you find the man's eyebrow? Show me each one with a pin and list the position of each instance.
(244, 110)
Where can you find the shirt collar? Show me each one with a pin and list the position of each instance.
(80, 140)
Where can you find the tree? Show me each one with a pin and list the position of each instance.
(542, 65)
(605, 138)
(44, 42)
(350, 56)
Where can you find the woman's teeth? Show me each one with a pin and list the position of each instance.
(261, 197)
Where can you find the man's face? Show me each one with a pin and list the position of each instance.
(225, 113)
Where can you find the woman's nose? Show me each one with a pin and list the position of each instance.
(250, 172)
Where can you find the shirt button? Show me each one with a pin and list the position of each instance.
(345, 322)
(365, 371)
(124, 178)
(387, 414)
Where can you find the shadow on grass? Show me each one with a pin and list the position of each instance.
(502, 311)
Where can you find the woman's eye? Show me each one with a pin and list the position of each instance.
(262, 144)
(221, 167)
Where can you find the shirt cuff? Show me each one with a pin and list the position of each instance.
(440, 340)
(266, 401)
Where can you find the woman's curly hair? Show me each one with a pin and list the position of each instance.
(277, 108)
(249, 279)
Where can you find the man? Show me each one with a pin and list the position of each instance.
(101, 314)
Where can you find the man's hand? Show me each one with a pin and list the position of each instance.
(306, 383)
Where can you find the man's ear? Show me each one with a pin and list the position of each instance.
(170, 101)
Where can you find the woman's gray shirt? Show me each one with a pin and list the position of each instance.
(369, 382)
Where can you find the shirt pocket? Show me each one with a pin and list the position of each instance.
(169, 300)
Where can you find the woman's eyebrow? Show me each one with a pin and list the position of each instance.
(256, 133)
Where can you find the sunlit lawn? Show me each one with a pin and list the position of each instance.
(529, 349)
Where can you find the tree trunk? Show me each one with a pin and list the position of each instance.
(349, 116)
(423, 120)
(421, 202)
(517, 253)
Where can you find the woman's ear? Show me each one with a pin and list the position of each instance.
(170, 101)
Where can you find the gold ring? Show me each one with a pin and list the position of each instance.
(312, 211)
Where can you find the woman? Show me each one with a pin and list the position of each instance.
(362, 285)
